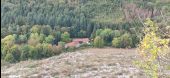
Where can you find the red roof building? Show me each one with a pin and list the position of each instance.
(77, 42)
(83, 40)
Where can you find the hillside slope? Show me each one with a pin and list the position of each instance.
(88, 63)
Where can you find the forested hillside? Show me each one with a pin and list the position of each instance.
(31, 28)
(79, 16)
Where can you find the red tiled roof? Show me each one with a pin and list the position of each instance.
(76, 42)
(81, 39)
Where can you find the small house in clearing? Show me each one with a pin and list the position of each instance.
(77, 42)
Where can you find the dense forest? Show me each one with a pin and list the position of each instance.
(40, 28)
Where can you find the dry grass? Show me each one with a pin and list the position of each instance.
(87, 63)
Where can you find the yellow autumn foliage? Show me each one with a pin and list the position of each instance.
(150, 48)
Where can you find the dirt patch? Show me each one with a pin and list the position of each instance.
(88, 63)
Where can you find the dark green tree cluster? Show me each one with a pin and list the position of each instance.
(116, 38)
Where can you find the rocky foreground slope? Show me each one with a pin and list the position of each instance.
(88, 63)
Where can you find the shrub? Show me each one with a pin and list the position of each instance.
(56, 50)
(98, 32)
(117, 33)
(22, 38)
(65, 37)
(15, 52)
(10, 58)
(34, 53)
(106, 34)
(4, 51)
(98, 42)
(126, 41)
(116, 42)
(135, 40)
(8, 40)
(47, 51)
(42, 38)
(61, 44)
(24, 52)
(35, 29)
(49, 39)
(39, 48)
(34, 39)
(122, 42)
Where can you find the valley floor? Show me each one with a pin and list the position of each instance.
(87, 63)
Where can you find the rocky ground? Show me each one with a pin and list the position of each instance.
(88, 63)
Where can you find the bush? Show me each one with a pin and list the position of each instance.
(117, 33)
(106, 34)
(116, 42)
(35, 29)
(39, 48)
(8, 40)
(42, 38)
(135, 40)
(15, 52)
(47, 51)
(56, 50)
(61, 44)
(34, 39)
(4, 51)
(49, 39)
(22, 39)
(125, 41)
(10, 58)
(34, 53)
(24, 52)
(98, 32)
(65, 37)
(98, 42)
